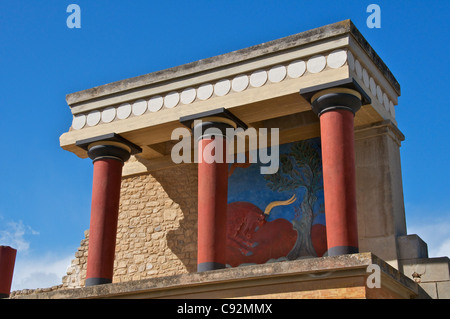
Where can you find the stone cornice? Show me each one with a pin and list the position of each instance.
(239, 56)
(271, 71)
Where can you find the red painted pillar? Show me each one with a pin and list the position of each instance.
(210, 134)
(103, 225)
(336, 109)
(212, 205)
(7, 261)
(108, 154)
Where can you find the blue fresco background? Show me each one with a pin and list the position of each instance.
(249, 185)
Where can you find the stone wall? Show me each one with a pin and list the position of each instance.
(157, 228)
(337, 277)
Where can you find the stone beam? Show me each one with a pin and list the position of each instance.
(257, 84)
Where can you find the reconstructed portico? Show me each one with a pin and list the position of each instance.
(326, 83)
(336, 108)
(108, 153)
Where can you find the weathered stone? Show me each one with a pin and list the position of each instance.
(170, 214)
(148, 239)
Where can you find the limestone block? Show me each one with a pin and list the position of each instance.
(411, 247)
(427, 269)
(381, 212)
(430, 289)
(443, 289)
(381, 246)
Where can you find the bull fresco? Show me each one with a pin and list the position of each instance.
(279, 216)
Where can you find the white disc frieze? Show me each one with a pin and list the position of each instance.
(358, 69)
(139, 107)
(93, 118)
(296, 69)
(205, 91)
(373, 86)
(258, 78)
(392, 108)
(155, 103)
(171, 99)
(239, 83)
(379, 94)
(188, 95)
(222, 87)
(351, 61)
(366, 78)
(337, 58)
(386, 101)
(108, 114)
(277, 73)
(79, 121)
(316, 64)
(124, 111)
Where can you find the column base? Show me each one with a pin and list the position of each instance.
(342, 250)
(2, 296)
(97, 281)
(209, 266)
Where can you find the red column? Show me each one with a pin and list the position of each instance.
(210, 131)
(338, 158)
(212, 205)
(108, 153)
(7, 261)
(103, 225)
(336, 110)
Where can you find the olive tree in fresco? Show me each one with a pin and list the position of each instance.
(301, 167)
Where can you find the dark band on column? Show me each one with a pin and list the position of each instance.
(97, 281)
(206, 266)
(342, 250)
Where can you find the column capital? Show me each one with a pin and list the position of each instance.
(110, 145)
(336, 99)
(220, 119)
(342, 94)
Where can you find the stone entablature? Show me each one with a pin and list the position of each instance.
(238, 83)
(248, 82)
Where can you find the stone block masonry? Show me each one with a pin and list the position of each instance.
(337, 277)
(157, 228)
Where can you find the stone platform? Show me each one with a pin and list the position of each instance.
(355, 276)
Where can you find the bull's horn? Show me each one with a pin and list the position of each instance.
(279, 203)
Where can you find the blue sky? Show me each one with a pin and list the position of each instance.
(45, 191)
